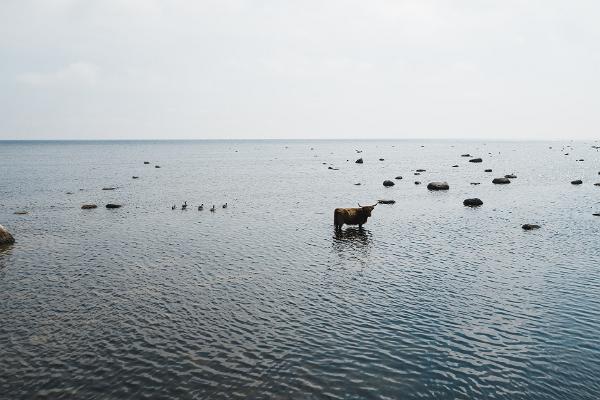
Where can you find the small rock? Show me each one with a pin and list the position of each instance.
(135, 177)
(109, 188)
(438, 186)
(21, 212)
(455, 166)
(388, 183)
(5, 236)
(581, 159)
(475, 202)
(597, 184)
(110, 205)
(359, 161)
(487, 170)
(501, 181)
(596, 214)
(476, 160)
(420, 170)
(381, 159)
(386, 201)
(475, 183)
(357, 184)
(146, 162)
(329, 167)
(530, 227)
(417, 183)
(577, 182)
(398, 177)
(88, 206)
(465, 155)
(157, 166)
(510, 176)
(417, 173)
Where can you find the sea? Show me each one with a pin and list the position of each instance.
(263, 299)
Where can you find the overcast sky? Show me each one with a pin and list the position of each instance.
(145, 69)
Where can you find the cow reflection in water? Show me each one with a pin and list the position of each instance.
(353, 243)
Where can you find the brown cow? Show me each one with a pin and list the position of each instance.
(352, 216)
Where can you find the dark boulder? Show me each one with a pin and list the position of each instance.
(510, 176)
(386, 201)
(501, 181)
(476, 160)
(438, 186)
(577, 182)
(381, 159)
(597, 184)
(5, 236)
(357, 184)
(530, 227)
(135, 177)
(398, 177)
(475, 202)
(157, 166)
(110, 205)
(146, 162)
(388, 183)
(596, 214)
(455, 166)
(359, 161)
(487, 170)
(88, 206)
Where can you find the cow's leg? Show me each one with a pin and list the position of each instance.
(359, 226)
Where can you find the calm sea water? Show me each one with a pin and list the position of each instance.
(263, 300)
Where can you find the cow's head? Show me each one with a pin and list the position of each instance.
(367, 209)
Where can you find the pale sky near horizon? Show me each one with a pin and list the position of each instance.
(148, 69)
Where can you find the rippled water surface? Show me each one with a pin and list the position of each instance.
(263, 300)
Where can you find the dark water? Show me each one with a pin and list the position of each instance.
(263, 300)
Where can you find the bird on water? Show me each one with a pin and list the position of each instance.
(184, 205)
(201, 207)
(213, 208)
(225, 205)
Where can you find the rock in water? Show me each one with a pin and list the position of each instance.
(359, 161)
(157, 166)
(487, 170)
(388, 183)
(398, 177)
(381, 159)
(476, 160)
(146, 162)
(386, 201)
(110, 205)
(88, 206)
(438, 186)
(596, 214)
(420, 170)
(417, 183)
(465, 155)
(501, 181)
(473, 202)
(510, 176)
(135, 177)
(577, 182)
(597, 184)
(530, 227)
(5, 236)
(109, 188)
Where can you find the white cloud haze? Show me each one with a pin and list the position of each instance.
(144, 69)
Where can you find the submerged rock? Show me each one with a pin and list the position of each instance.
(357, 184)
(465, 155)
(135, 177)
(455, 166)
(510, 176)
(577, 182)
(109, 188)
(359, 161)
(146, 162)
(501, 181)
(88, 206)
(420, 170)
(597, 184)
(475, 183)
(475, 202)
(530, 227)
(111, 205)
(381, 159)
(398, 177)
(417, 183)
(157, 166)
(386, 201)
(476, 160)
(5, 236)
(438, 186)
(487, 170)
(388, 183)
(21, 212)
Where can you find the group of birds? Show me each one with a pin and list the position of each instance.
(200, 207)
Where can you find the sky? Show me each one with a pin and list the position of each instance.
(175, 69)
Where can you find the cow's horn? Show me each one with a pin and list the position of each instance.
(359, 205)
